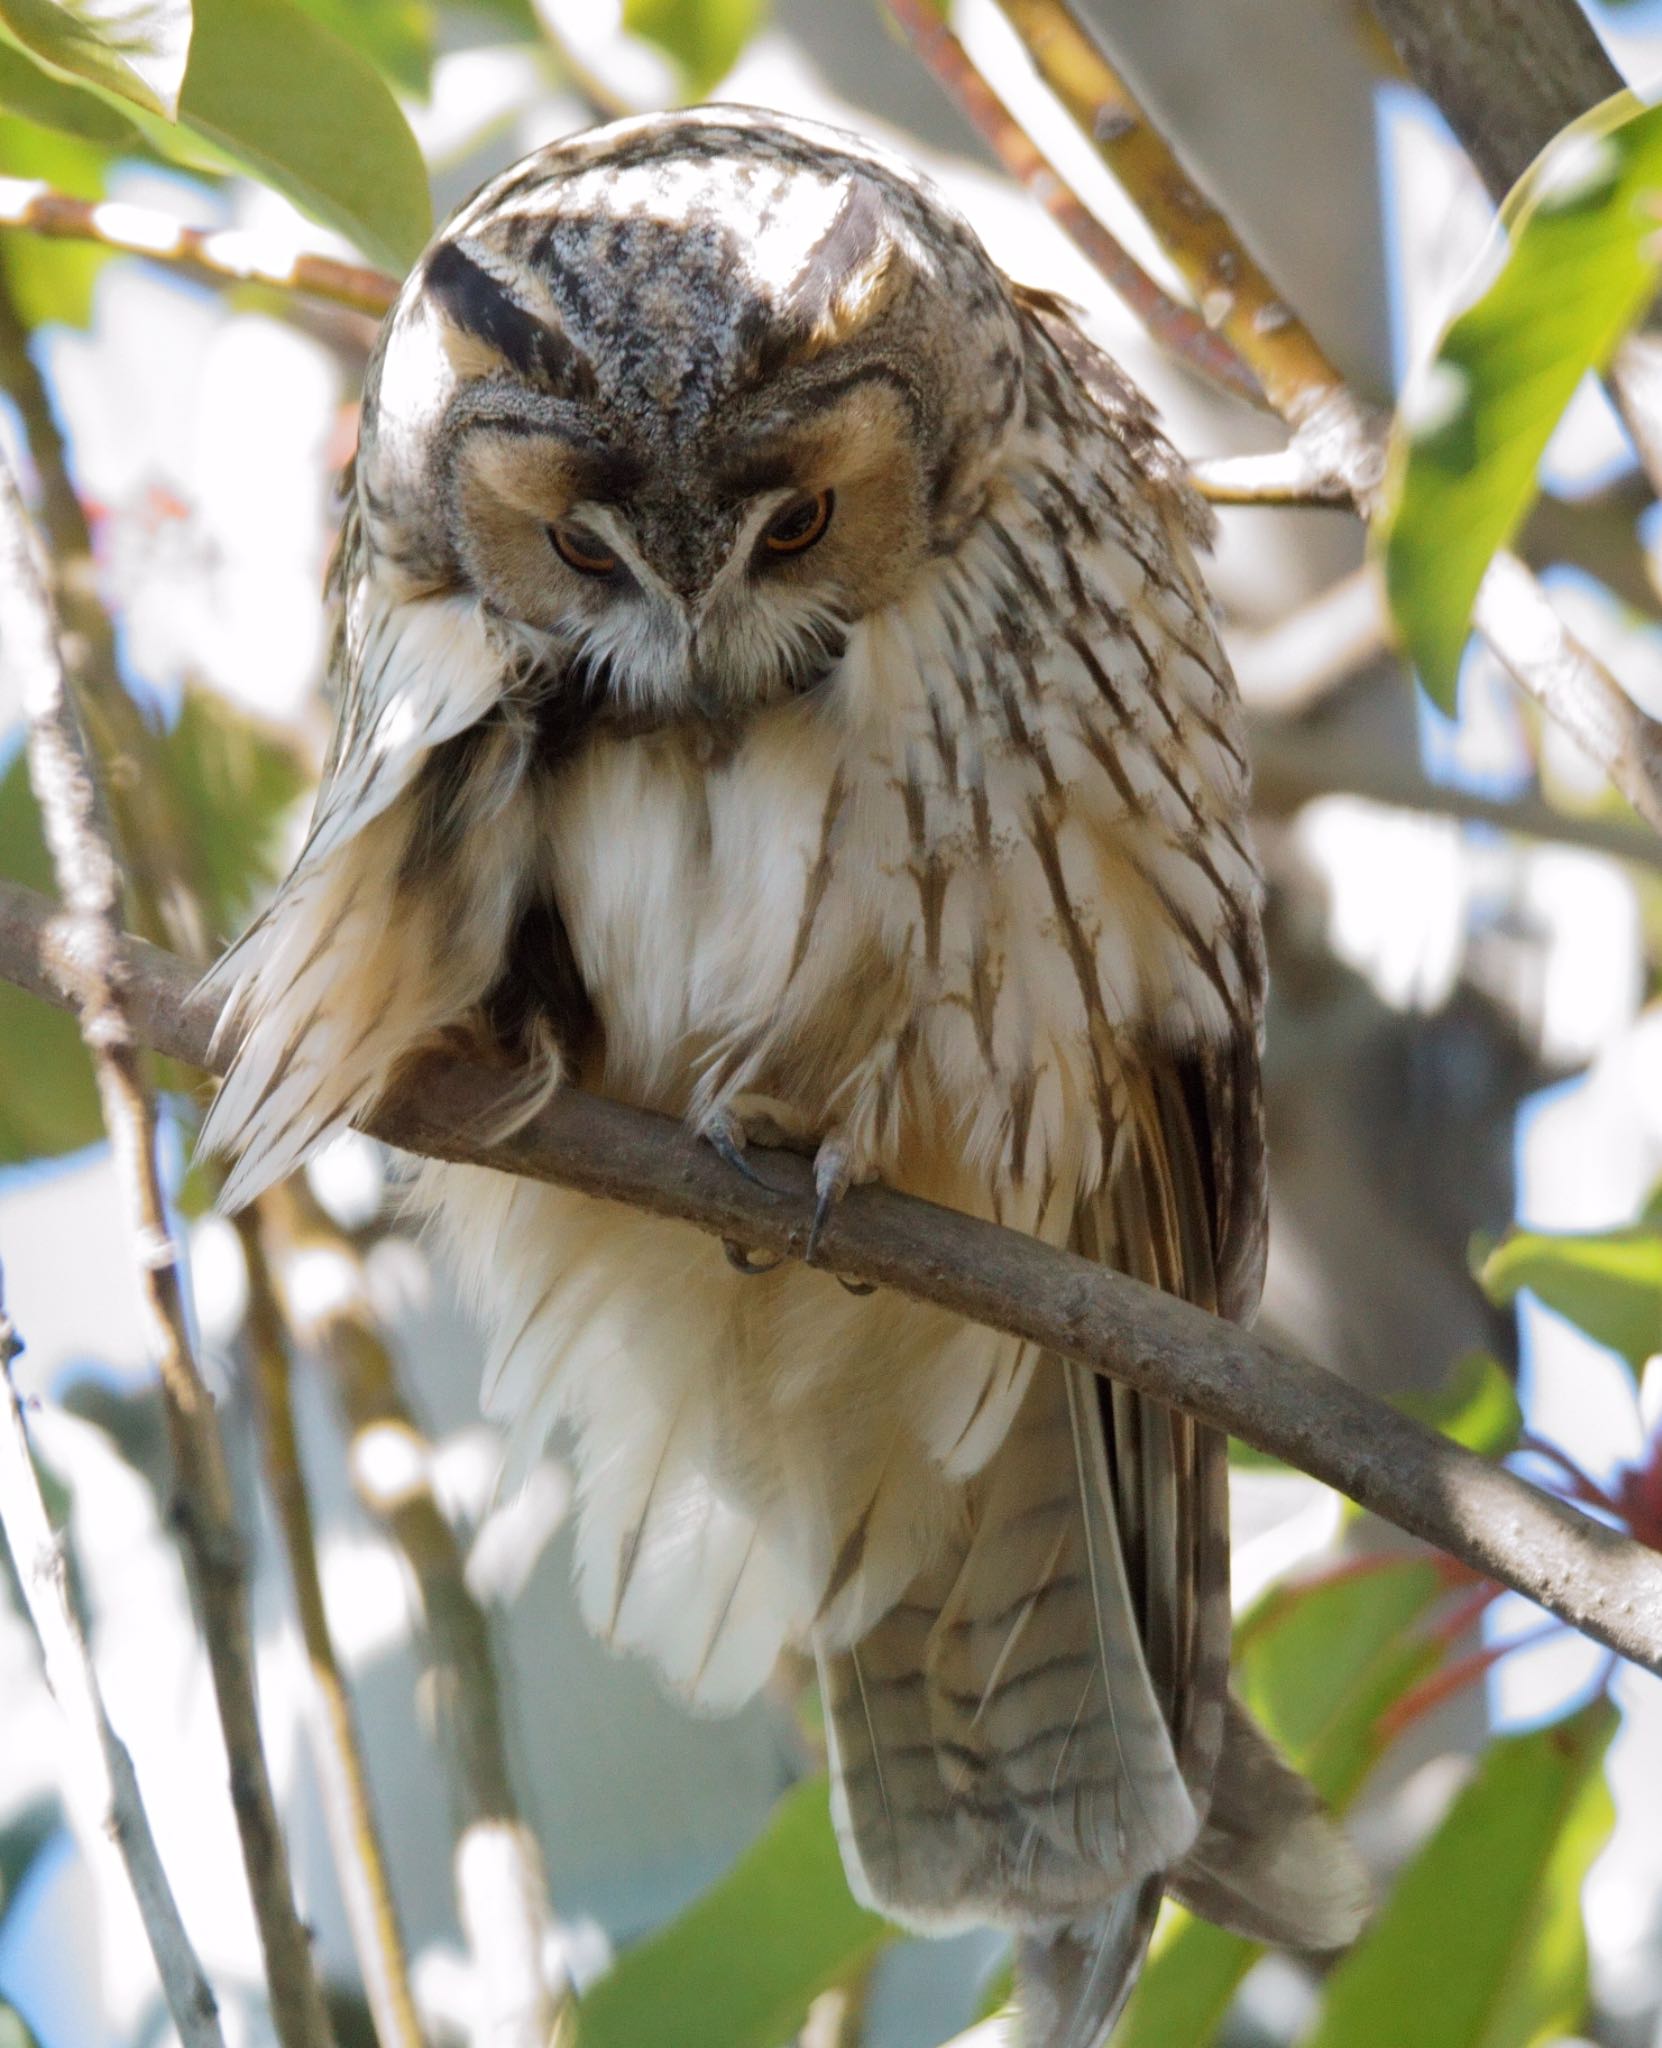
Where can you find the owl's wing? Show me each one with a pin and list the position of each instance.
(374, 942)
(1135, 422)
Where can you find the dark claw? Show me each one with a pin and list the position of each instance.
(743, 1260)
(822, 1216)
(831, 1177)
(719, 1137)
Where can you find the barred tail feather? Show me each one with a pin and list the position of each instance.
(1072, 1984)
(1001, 1750)
(1270, 1863)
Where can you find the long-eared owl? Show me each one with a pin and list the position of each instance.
(777, 689)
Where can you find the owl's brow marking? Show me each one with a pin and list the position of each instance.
(475, 301)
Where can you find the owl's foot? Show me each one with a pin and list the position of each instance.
(833, 1171)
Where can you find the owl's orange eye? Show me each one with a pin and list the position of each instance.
(795, 530)
(582, 550)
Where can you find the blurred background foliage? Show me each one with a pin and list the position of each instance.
(1465, 1108)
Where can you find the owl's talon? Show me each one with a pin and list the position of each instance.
(743, 1260)
(831, 1177)
(724, 1135)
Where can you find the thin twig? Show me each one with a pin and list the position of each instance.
(1290, 770)
(1589, 1576)
(227, 255)
(205, 1505)
(1176, 327)
(501, 1888)
(128, 749)
(348, 1809)
(1286, 668)
(1287, 477)
(601, 100)
(1574, 688)
(98, 1760)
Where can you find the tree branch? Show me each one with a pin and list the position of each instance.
(128, 749)
(1231, 288)
(97, 1759)
(1574, 688)
(348, 1809)
(501, 1888)
(1290, 769)
(204, 1507)
(1174, 326)
(1595, 1579)
(225, 255)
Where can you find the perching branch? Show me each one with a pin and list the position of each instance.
(97, 1758)
(227, 255)
(1588, 1575)
(348, 1811)
(205, 1507)
(501, 1889)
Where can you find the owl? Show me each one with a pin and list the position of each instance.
(777, 689)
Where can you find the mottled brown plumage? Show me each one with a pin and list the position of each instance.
(778, 689)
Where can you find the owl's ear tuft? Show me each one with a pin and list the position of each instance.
(852, 273)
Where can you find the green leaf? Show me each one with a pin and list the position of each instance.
(1477, 1406)
(1581, 267)
(14, 2029)
(1481, 1943)
(270, 92)
(395, 35)
(1608, 1283)
(54, 103)
(705, 37)
(1318, 1664)
(135, 49)
(742, 1965)
(292, 105)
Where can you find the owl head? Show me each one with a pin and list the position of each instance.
(682, 399)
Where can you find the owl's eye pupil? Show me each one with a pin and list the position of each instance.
(582, 550)
(803, 522)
